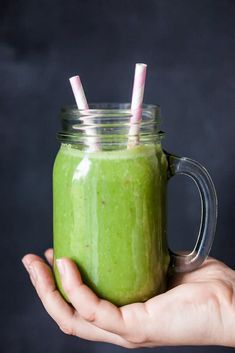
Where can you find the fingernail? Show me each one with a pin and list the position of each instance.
(25, 263)
(30, 270)
(60, 266)
(32, 274)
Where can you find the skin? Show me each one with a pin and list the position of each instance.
(198, 308)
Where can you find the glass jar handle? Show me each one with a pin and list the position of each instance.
(194, 170)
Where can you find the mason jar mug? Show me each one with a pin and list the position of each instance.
(109, 201)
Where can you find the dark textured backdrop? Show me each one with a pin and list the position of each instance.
(188, 46)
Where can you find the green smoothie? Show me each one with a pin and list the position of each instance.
(109, 217)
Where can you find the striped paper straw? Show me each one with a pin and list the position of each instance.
(136, 103)
(78, 92)
(80, 98)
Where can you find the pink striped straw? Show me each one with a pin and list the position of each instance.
(78, 92)
(137, 101)
(79, 95)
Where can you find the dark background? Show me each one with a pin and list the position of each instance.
(189, 48)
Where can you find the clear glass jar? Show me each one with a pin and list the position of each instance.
(109, 200)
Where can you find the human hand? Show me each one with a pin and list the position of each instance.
(198, 308)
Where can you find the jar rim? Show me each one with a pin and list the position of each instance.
(123, 109)
(110, 124)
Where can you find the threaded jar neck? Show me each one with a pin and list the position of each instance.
(109, 126)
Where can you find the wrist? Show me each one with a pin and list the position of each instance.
(230, 336)
(227, 311)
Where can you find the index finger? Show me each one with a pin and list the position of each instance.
(47, 291)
